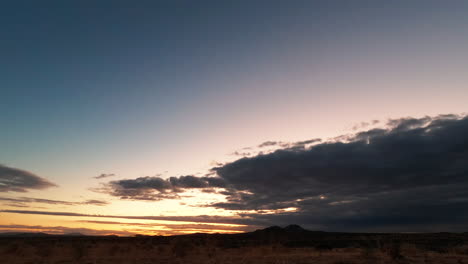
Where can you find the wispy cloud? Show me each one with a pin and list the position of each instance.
(104, 175)
(17, 180)
(198, 219)
(268, 144)
(63, 230)
(203, 227)
(20, 201)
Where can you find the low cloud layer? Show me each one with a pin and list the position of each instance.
(17, 180)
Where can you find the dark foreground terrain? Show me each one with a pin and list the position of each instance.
(272, 245)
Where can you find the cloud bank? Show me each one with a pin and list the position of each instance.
(412, 175)
(409, 175)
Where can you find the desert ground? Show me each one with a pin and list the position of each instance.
(272, 245)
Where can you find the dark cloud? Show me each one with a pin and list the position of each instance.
(183, 182)
(157, 188)
(16, 180)
(21, 201)
(412, 175)
(104, 175)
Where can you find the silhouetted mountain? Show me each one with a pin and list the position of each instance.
(294, 228)
(270, 229)
(280, 230)
(278, 234)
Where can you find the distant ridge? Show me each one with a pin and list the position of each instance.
(24, 234)
(37, 234)
(271, 231)
(291, 236)
(73, 234)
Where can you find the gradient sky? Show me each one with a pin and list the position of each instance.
(173, 88)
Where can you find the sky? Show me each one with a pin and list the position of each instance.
(174, 117)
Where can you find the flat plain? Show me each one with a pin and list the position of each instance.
(271, 245)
